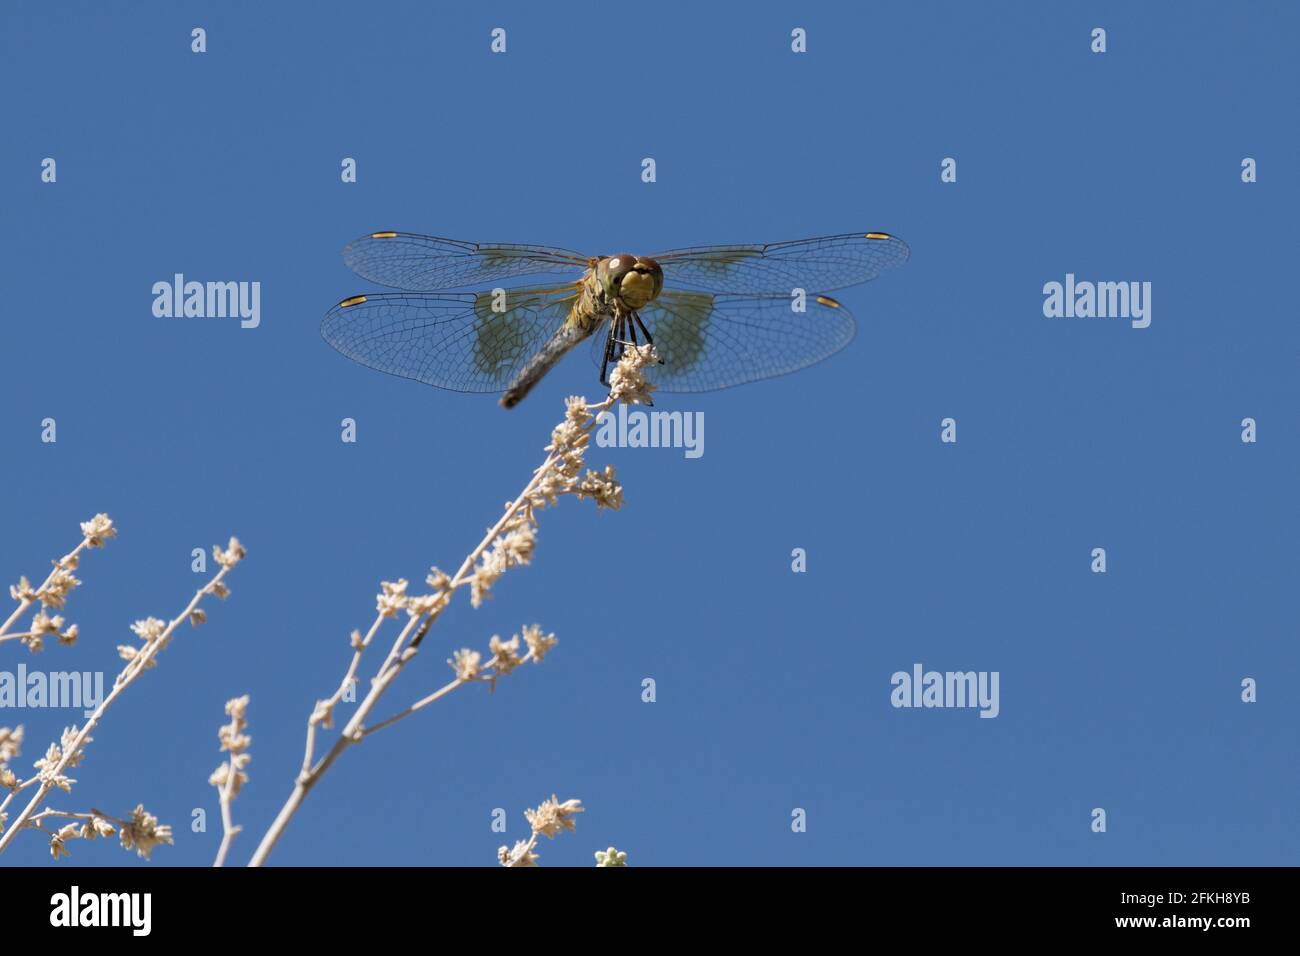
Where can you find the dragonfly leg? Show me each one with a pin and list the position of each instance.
(644, 331)
(609, 355)
(620, 346)
(616, 345)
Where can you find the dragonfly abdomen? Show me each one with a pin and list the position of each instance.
(565, 338)
(587, 315)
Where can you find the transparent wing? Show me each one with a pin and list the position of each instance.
(816, 265)
(451, 340)
(716, 341)
(404, 260)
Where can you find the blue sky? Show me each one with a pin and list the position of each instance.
(773, 688)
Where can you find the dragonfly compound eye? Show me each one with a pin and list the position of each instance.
(638, 283)
(613, 269)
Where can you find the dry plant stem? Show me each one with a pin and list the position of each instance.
(36, 820)
(399, 655)
(9, 797)
(230, 777)
(228, 828)
(348, 679)
(422, 703)
(127, 677)
(25, 603)
(308, 779)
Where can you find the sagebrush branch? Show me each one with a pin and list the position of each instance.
(509, 543)
(230, 776)
(52, 594)
(141, 831)
(550, 818)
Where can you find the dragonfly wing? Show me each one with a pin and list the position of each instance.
(815, 265)
(451, 340)
(716, 341)
(404, 260)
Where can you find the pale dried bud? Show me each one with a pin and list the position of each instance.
(392, 597)
(143, 832)
(538, 644)
(98, 530)
(552, 816)
(505, 654)
(231, 556)
(465, 663)
(522, 855)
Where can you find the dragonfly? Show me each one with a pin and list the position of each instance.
(717, 316)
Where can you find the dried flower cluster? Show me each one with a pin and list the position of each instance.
(627, 383)
(503, 657)
(230, 776)
(95, 827)
(68, 752)
(52, 594)
(549, 819)
(140, 830)
(515, 537)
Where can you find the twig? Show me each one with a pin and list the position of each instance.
(230, 776)
(54, 590)
(69, 752)
(550, 818)
(509, 542)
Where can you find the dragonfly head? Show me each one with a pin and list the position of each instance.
(631, 281)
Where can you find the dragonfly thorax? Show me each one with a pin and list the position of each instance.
(629, 281)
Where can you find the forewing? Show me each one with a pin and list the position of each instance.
(404, 260)
(716, 341)
(815, 265)
(451, 340)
